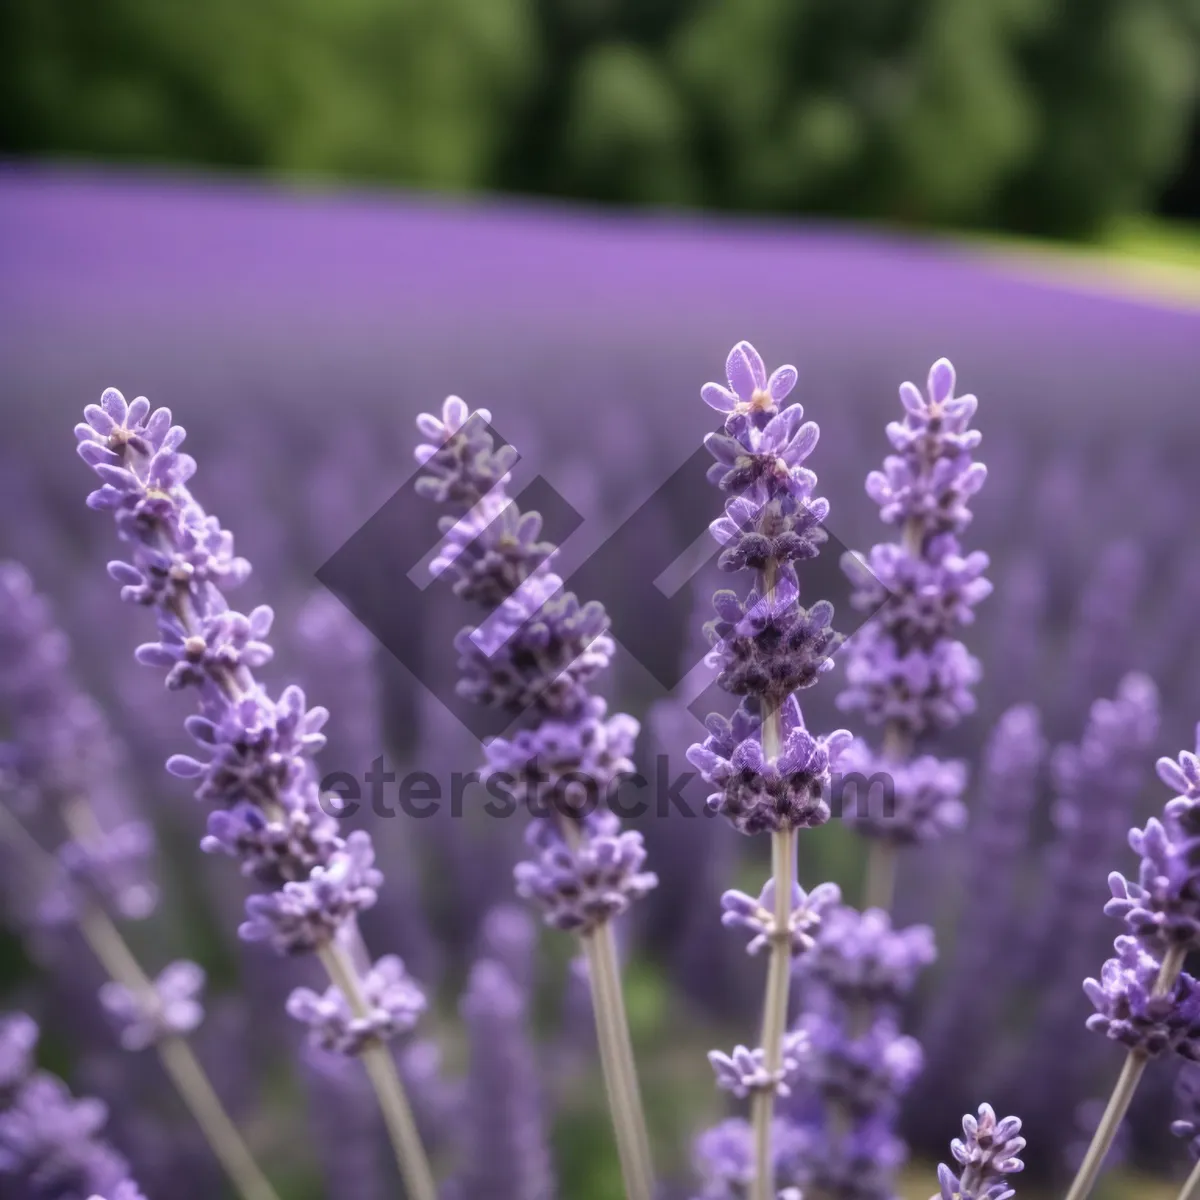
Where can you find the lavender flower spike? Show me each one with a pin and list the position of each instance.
(905, 670)
(770, 773)
(255, 767)
(535, 658)
(1143, 998)
(50, 1148)
(986, 1156)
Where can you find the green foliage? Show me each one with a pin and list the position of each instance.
(1046, 115)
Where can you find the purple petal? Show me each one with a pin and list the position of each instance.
(941, 381)
(782, 380)
(745, 370)
(715, 396)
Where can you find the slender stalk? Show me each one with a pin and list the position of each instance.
(775, 1000)
(616, 1051)
(381, 1069)
(880, 888)
(617, 1063)
(178, 1060)
(1191, 1189)
(1122, 1094)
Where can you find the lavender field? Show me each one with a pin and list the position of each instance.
(297, 337)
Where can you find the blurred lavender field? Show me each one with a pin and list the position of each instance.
(297, 337)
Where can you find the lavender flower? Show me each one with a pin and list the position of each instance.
(393, 1004)
(771, 774)
(986, 1154)
(124, 1191)
(758, 916)
(63, 771)
(256, 770)
(905, 669)
(761, 795)
(172, 1010)
(1163, 906)
(507, 1157)
(578, 888)
(49, 1141)
(859, 959)
(1130, 1009)
(724, 1160)
(535, 656)
(744, 1071)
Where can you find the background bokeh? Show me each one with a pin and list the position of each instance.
(371, 205)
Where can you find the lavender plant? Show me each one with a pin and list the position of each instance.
(772, 775)
(534, 659)
(50, 1145)
(256, 772)
(1144, 999)
(905, 670)
(825, 1089)
(62, 786)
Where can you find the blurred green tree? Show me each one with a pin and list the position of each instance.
(1042, 115)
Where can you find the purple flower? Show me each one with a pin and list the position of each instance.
(860, 959)
(724, 1160)
(49, 1142)
(861, 1073)
(567, 767)
(63, 759)
(758, 916)
(1129, 1010)
(172, 1009)
(768, 644)
(749, 390)
(18, 1041)
(922, 796)
(127, 1190)
(305, 915)
(858, 1165)
(535, 656)
(744, 1071)
(580, 886)
(789, 791)
(393, 1002)
(917, 692)
(1163, 906)
(986, 1154)
(506, 1152)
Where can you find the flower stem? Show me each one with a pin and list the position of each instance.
(775, 1001)
(178, 1060)
(881, 874)
(381, 1069)
(1191, 1189)
(1122, 1094)
(617, 1063)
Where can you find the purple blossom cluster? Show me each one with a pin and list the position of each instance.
(827, 1081)
(906, 670)
(61, 776)
(534, 658)
(255, 767)
(50, 1145)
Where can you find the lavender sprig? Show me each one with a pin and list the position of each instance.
(535, 658)
(256, 770)
(905, 669)
(770, 773)
(1143, 998)
(64, 775)
(986, 1155)
(50, 1146)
